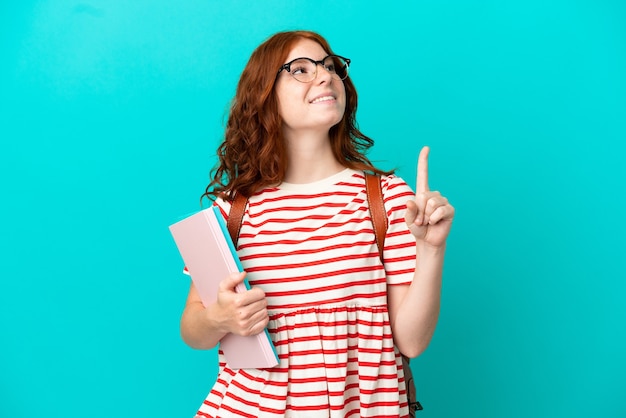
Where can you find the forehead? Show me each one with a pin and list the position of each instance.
(306, 48)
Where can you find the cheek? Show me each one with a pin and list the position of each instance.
(290, 97)
(344, 99)
(287, 111)
(283, 105)
(281, 108)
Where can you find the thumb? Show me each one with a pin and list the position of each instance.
(411, 212)
(232, 281)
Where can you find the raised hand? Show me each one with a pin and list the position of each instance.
(430, 215)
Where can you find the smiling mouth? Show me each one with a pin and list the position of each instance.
(323, 99)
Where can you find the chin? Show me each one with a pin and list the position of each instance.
(333, 121)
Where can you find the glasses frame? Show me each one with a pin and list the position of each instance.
(287, 66)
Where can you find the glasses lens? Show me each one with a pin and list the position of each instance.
(337, 66)
(303, 70)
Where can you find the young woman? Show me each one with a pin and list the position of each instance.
(339, 317)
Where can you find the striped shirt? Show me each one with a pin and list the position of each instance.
(312, 249)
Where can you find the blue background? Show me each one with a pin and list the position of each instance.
(110, 113)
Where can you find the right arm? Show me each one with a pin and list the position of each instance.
(240, 313)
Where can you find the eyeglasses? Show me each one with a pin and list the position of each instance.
(305, 69)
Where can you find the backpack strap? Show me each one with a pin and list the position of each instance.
(235, 217)
(376, 205)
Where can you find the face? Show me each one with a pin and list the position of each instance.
(315, 106)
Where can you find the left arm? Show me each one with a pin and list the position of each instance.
(414, 308)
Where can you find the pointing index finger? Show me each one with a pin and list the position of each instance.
(422, 171)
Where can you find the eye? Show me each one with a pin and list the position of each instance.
(300, 69)
(301, 66)
(330, 67)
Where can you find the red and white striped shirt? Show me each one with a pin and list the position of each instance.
(312, 249)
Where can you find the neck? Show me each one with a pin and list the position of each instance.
(310, 158)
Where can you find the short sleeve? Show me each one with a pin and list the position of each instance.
(224, 206)
(399, 251)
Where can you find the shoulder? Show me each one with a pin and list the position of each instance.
(224, 206)
(394, 187)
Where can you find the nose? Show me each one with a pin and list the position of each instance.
(323, 75)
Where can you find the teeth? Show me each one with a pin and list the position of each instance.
(323, 99)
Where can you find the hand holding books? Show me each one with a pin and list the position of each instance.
(242, 313)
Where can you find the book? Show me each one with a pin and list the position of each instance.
(210, 256)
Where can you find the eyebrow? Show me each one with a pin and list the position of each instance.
(296, 58)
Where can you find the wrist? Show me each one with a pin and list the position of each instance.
(215, 320)
(426, 250)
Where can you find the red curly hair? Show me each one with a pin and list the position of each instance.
(253, 155)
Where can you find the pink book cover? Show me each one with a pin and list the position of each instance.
(210, 256)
